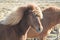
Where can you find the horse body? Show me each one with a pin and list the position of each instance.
(51, 17)
(17, 30)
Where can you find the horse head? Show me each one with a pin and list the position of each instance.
(34, 17)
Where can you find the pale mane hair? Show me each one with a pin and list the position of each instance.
(17, 13)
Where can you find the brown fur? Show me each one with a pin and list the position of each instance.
(19, 30)
(51, 17)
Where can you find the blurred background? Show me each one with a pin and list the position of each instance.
(7, 5)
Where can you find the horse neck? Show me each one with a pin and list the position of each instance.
(23, 26)
(50, 19)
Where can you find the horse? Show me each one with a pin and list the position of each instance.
(51, 17)
(16, 25)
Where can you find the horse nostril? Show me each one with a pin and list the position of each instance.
(39, 29)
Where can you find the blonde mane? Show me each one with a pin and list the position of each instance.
(16, 14)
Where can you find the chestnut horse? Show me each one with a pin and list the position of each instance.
(16, 25)
(51, 17)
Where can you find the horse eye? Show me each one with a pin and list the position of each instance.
(37, 15)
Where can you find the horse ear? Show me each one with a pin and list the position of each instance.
(29, 8)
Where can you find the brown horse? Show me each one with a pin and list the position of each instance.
(13, 27)
(51, 17)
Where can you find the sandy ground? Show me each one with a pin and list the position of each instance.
(7, 6)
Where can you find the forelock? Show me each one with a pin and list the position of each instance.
(34, 7)
(40, 12)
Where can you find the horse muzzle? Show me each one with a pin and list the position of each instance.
(39, 30)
